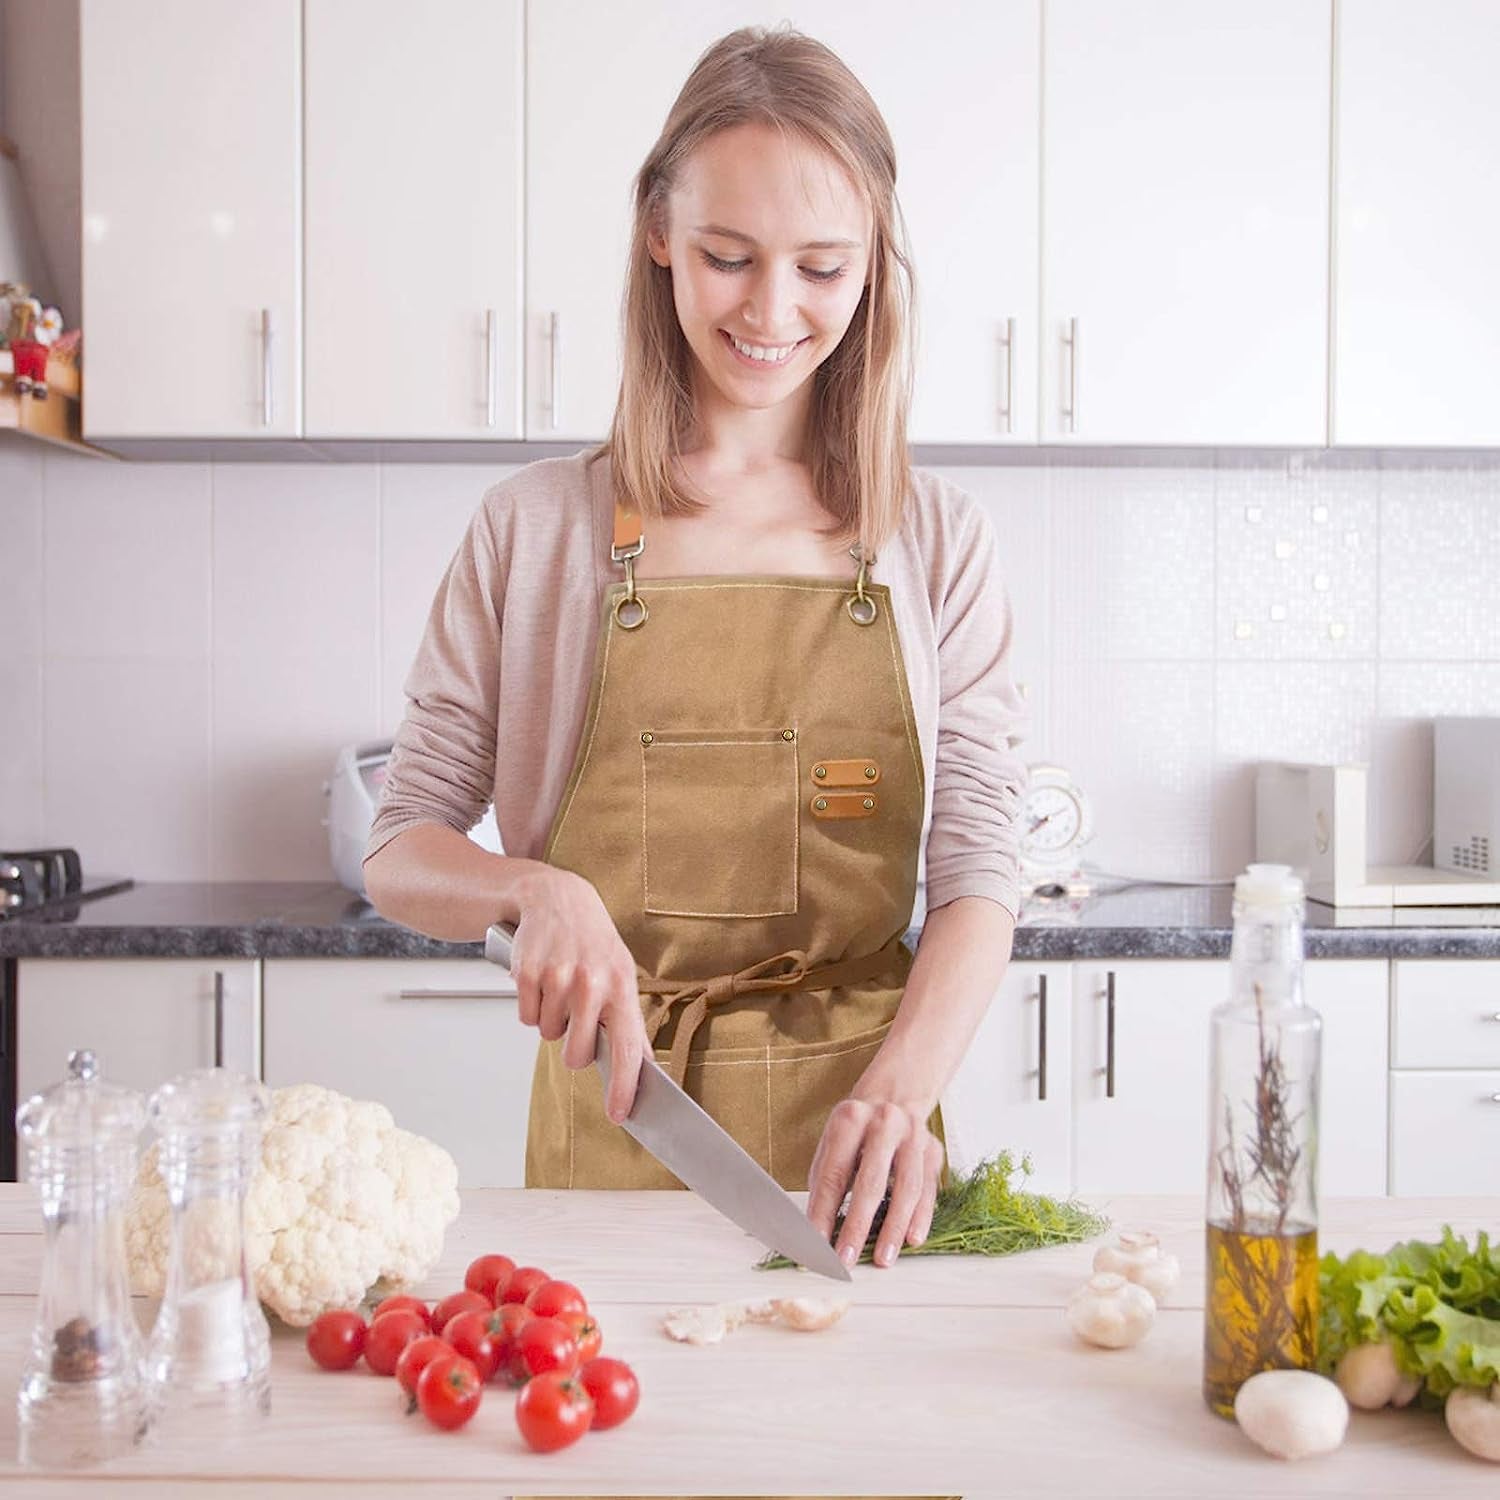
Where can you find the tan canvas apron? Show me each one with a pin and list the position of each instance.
(747, 799)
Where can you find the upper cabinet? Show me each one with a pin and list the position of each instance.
(1185, 222)
(413, 120)
(1416, 317)
(191, 139)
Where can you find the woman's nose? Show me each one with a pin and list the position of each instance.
(771, 308)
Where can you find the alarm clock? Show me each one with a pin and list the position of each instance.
(1056, 822)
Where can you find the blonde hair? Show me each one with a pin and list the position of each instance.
(856, 440)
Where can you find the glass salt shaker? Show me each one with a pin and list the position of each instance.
(210, 1350)
(82, 1397)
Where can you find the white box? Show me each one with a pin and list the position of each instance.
(1466, 796)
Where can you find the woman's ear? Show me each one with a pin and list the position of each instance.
(656, 247)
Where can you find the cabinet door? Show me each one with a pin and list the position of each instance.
(192, 235)
(1416, 320)
(1140, 1082)
(413, 120)
(146, 1019)
(968, 155)
(1445, 1132)
(1185, 221)
(1353, 998)
(437, 1041)
(1013, 1090)
(600, 78)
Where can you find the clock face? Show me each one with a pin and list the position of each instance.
(1055, 819)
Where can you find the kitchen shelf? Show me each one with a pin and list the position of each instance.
(56, 418)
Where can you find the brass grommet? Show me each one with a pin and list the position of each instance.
(870, 772)
(821, 803)
(862, 609)
(630, 612)
(869, 804)
(789, 734)
(820, 770)
(648, 738)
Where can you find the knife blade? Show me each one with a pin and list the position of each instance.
(696, 1149)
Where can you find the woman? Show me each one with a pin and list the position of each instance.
(713, 841)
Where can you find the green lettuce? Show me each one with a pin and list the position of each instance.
(1437, 1304)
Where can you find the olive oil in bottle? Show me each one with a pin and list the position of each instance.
(1261, 1251)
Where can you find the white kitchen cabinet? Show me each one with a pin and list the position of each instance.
(413, 120)
(145, 1019)
(1353, 997)
(1013, 1090)
(1185, 221)
(1416, 323)
(437, 1041)
(191, 145)
(967, 159)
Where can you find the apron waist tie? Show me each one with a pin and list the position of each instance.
(699, 994)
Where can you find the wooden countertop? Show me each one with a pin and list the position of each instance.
(949, 1375)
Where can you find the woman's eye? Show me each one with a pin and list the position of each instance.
(735, 265)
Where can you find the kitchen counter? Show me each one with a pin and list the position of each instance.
(948, 1375)
(313, 920)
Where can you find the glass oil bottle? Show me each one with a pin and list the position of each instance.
(82, 1398)
(1261, 1256)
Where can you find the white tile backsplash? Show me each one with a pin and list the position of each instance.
(189, 644)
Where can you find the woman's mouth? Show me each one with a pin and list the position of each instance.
(786, 354)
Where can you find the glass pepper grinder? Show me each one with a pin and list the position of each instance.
(210, 1350)
(82, 1397)
(1261, 1256)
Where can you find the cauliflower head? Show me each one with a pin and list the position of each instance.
(343, 1200)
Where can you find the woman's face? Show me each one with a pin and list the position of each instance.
(751, 219)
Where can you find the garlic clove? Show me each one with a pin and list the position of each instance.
(810, 1314)
(1292, 1413)
(695, 1325)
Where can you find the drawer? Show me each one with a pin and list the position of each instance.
(1446, 1013)
(1445, 1133)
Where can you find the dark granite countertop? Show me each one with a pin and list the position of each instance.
(313, 920)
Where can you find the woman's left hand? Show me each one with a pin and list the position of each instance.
(870, 1144)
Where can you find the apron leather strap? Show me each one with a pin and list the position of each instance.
(699, 994)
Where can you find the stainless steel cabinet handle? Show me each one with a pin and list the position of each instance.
(1008, 341)
(1070, 338)
(554, 382)
(266, 340)
(218, 1018)
(1041, 1037)
(489, 367)
(1109, 1035)
(442, 994)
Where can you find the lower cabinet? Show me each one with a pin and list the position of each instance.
(146, 1019)
(1124, 1106)
(437, 1041)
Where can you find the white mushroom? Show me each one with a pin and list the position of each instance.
(811, 1314)
(1110, 1311)
(1292, 1413)
(1473, 1417)
(1137, 1255)
(1368, 1376)
(1406, 1390)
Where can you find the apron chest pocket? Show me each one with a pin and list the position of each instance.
(719, 816)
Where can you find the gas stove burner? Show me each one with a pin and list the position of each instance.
(49, 883)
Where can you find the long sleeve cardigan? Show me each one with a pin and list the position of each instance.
(497, 693)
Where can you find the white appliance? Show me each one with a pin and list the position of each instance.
(1313, 818)
(1466, 796)
(352, 792)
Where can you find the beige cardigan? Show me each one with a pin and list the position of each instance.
(500, 684)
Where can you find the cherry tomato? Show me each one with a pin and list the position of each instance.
(554, 1298)
(586, 1334)
(389, 1334)
(459, 1302)
(613, 1388)
(404, 1304)
(415, 1358)
(541, 1344)
(505, 1323)
(469, 1334)
(553, 1411)
(448, 1390)
(523, 1281)
(336, 1340)
(488, 1275)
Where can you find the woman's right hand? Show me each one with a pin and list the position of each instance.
(573, 974)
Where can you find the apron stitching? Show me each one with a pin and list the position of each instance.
(906, 717)
(562, 816)
(770, 1133)
(757, 1061)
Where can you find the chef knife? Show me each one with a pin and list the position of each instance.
(692, 1145)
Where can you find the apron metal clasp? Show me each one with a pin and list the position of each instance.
(630, 608)
(862, 608)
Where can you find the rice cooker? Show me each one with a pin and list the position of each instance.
(352, 792)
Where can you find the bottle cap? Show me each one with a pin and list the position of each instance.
(209, 1100)
(81, 1111)
(1268, 885)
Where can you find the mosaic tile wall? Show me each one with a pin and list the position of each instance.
(189, 644)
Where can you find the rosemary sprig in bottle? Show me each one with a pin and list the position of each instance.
(986, 1214)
